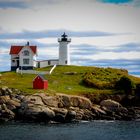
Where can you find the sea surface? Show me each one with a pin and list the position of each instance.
(96, 130)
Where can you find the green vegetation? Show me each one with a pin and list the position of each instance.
(103, 78)
(126, 84)
(70, 80)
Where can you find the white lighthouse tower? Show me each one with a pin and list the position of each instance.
(64, 57)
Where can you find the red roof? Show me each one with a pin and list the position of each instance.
(40, 77)
(17, 49)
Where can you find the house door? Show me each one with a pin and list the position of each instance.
(17, 63)
(38, 65)
(49, 62)
(39, 84)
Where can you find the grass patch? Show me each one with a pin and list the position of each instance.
(60, 81)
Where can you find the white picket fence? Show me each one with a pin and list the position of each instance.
(35, 72)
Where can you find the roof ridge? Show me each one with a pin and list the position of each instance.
(15, 49)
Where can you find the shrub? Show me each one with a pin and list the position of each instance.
(98, 81)
(137, 91)
(125, 84)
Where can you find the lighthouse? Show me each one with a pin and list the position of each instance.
(64, 57)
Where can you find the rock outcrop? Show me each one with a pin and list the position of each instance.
(14, 105)
(9, 103)
(59, 108)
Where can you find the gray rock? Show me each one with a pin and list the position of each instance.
(111, 105)
(60, 114)
(48, 112)
(20, 97)
(83, 114)
(33, 99)
(4, 90)
(59, 111)
(71, 115)
(12, 104)
(81, 102)
(74, 101)
(88, 115)
(115, 109)
(6, 114)
(51, 101)
(16, 99)
(9, 90)
(4, 99)
(97, 110)
(36, 112)
(65, 100)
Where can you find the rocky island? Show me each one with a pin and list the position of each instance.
(74, 93)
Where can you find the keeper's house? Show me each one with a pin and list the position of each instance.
(23, 57)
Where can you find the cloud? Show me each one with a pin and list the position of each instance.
(130, 47)
(86, 49)
(24, 4)
(1, 30)
(44, 2)
(52, 33)
(4, 62)
(135, 3)
(13, 4)
(4, 51)
(4, 44)
(117, 62)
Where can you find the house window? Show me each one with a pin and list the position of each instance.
(49, 62)
(25, 61)
(26, 53)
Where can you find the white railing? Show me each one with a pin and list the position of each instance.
(35, 72)
(52, 69)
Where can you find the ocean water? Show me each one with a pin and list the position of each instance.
(96, 130)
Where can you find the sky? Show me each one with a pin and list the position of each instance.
(104, 33)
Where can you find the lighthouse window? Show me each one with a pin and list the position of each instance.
(25, 61)
(66, 62)
(26, 53)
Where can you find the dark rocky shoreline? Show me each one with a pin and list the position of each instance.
(14, 105)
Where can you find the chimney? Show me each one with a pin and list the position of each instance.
(28, 43)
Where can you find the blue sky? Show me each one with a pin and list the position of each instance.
(104, 33)
(116, 1)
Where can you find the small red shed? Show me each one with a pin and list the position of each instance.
(40, 82)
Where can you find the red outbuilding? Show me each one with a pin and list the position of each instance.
(40, 82)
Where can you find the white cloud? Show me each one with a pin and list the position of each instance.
(107, 41)
(48, 53)
(113, 55)
(67, 15)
